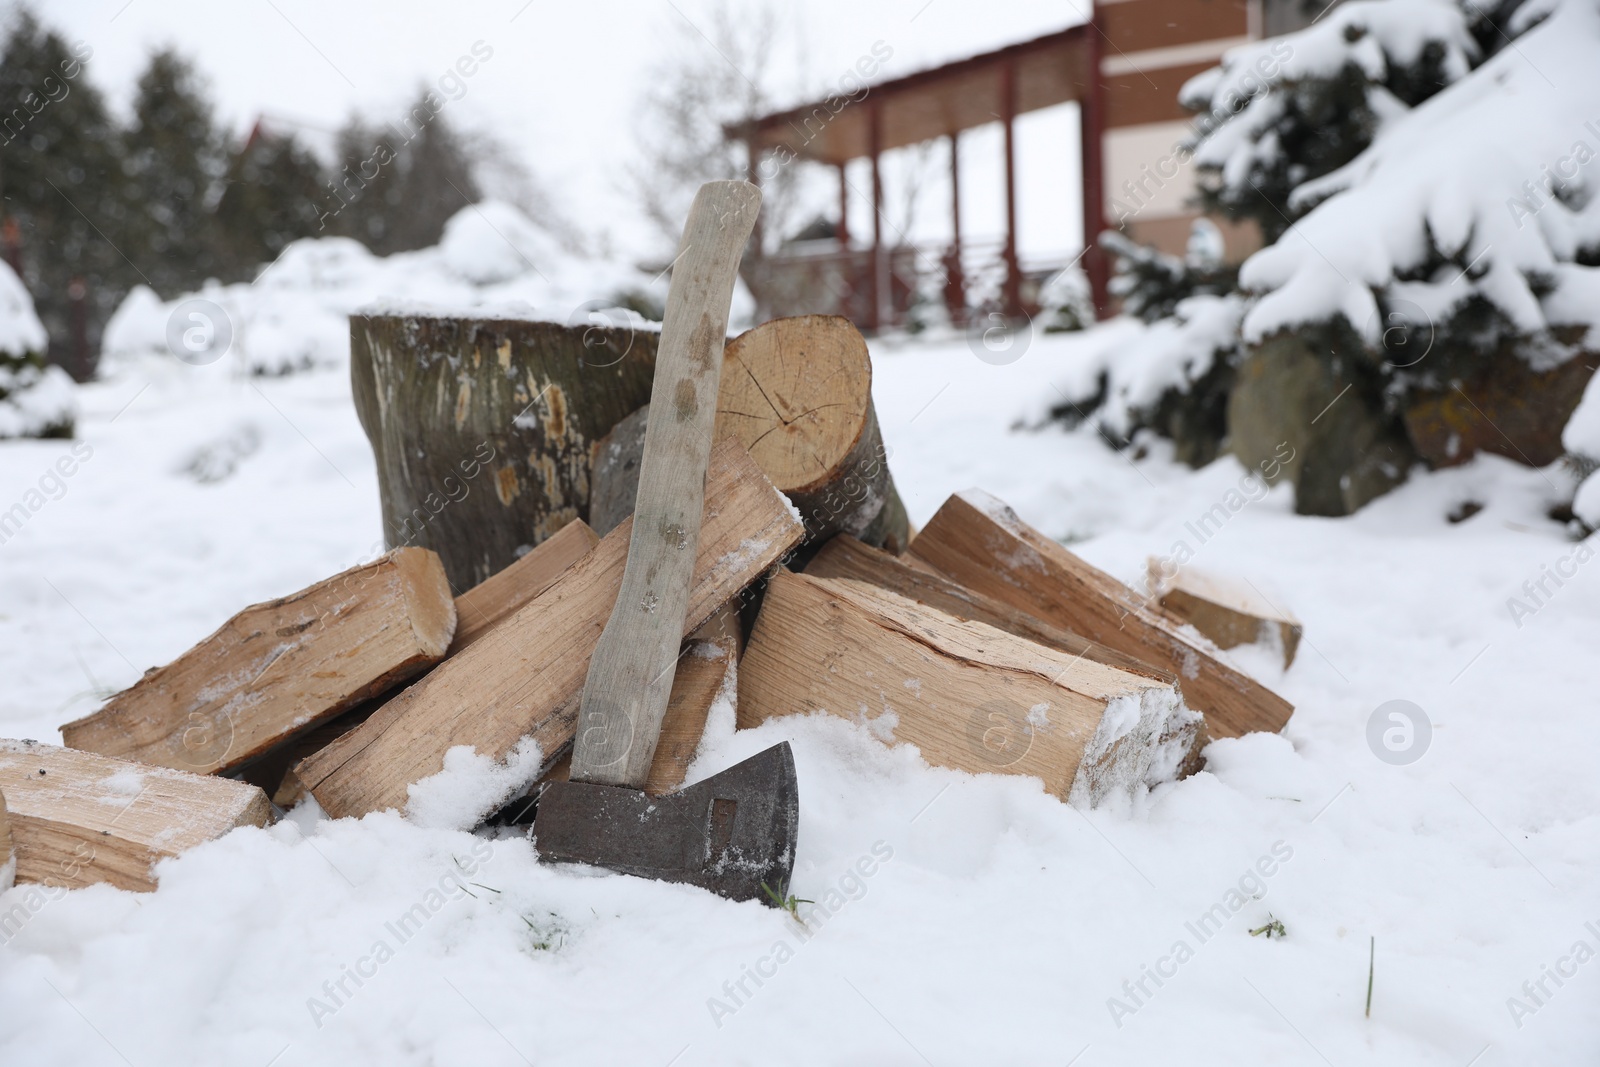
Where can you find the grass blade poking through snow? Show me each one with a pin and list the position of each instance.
(1372, 957)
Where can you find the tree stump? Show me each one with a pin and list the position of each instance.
(483, 428)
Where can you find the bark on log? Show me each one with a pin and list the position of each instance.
(280, 668)
(483, 428)
(981, 543)
(797, 393)
(78, 818)
(614, 480)
(967, 695)
(524, 678)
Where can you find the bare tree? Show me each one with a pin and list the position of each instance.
(718, 70)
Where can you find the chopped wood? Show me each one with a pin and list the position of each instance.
(707, 669)
(500, 595)
(797, 392)
(477, 611)
(8, 855)
(78, 818)
(524, 677)
(614, 475)
(279, 668)
(848, 559)
(1229, 612)
(978, 541)
(968, 695)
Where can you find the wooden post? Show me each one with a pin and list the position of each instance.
(1091, 130)
(844, 210)
(875, 318)
(955, 283)
(754, 168)
(1008, 116)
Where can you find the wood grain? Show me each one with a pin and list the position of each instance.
(707, 669)
(979, 542)
(630, 673)
(78, 818)
(500, 595)
(524, 677)
(969, 696)
(279, 668)
(797, 392)
(846, 558)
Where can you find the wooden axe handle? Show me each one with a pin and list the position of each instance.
(630, 676)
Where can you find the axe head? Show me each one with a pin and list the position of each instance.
(731, 834)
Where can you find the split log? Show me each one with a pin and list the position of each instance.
(482, 428)
(978, 541)
(502, 595)
(478, 610)
(1229, 613)
(523, 679)
(797, 393)
(8, 855)
(279, 668)
(707, 669)
(614, 479)
(967, 695)
(848, 559)
(78, 818)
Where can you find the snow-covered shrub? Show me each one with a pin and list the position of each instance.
(295, 315)
(1172, 377)
(1471, 221)
(35, 400)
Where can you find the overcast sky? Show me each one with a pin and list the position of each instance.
(563, 83)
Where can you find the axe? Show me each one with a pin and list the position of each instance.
(733, 833)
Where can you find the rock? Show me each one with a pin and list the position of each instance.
(1508, 408)
(1345, 450)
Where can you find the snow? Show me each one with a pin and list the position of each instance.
(294, 316)
(958, 918)
(21, 332)
(471, 787)
(1495, 174)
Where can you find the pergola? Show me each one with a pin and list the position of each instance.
(943, 102)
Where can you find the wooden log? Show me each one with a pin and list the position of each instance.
(78, 818)
(501, 595)
(707, 670)
(797, 392)
(478, 610)
(848, 559)
(614, 478)
(279, 668)
(969, 696)
(523, 679)
(482, 428)
(978, 541)
(8, 855)
(1227, 611)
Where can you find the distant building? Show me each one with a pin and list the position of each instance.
(1143, 50)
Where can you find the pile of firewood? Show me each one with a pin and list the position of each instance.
(983, 642)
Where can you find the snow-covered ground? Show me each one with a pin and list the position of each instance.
(969, 919)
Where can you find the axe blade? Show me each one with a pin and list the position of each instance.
(730, 834)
